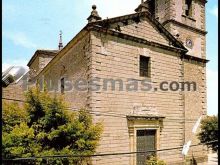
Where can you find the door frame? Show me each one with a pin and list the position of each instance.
(142, 124)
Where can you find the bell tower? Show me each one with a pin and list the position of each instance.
(185, 19)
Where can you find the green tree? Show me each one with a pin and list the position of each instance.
(209, 132)
(47, 127)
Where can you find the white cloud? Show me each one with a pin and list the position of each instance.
(214, 11)
(212, 94)
(20, 39)
(113, 8)
(6, 65)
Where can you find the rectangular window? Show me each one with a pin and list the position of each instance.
(144, 66)
(151, 5)
(62, 87)
(146, 142)
(188, 10)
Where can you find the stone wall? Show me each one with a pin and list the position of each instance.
(13, 92)
(199, 40)
(145, 29)
(172, 13)
(195, 105)
(120, 60)
(34, 68)
(44, 59)
(71, 67)
(165, 10)
(175, 9)
(40, 59)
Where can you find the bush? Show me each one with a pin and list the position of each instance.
(12, 115)
(153, 160)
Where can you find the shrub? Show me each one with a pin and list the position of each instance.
(153, 160)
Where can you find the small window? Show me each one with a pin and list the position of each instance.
(188, 10)
(151, 5)
(144, 66)
(62, 87)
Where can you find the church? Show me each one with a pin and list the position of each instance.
(162, 41)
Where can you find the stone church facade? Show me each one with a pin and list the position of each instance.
(164, 40)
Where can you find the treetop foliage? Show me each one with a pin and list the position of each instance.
(209, 132)
(46, 127)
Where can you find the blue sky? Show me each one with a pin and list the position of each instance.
(30, 25)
